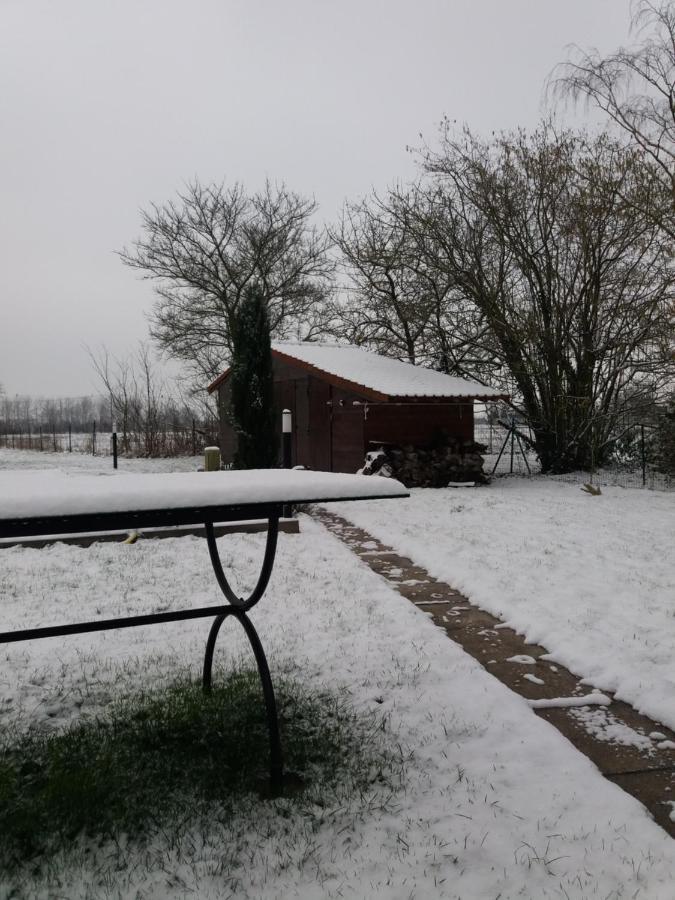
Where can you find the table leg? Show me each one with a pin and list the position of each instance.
(238, 609)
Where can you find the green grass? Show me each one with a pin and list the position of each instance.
(171, 755)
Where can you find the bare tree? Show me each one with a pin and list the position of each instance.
(542, 235)
(147, 408)
(206, 247)
(384, 309)
(635, 86)
(400, 301)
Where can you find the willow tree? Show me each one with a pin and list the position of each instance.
(635, 87)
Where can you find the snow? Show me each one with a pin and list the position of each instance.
(592, 579)
(389, 377)
(595, 699)
(84, 462)
(494, 801)
(603, 725)
(30, 494)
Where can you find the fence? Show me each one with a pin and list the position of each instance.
(631, 461)
(164, 440)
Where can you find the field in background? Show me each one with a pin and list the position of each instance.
(505, 454)
(162, 441)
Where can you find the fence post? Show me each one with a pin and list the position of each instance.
(93, 439)
(70, 438)
(642, 454)
(513, 437)
(54, 435)
(211, 459)
(114, 444)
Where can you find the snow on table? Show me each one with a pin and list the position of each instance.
(41, 494)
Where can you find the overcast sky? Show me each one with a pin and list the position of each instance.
(107, 105)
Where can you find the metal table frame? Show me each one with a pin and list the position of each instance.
(237, 607)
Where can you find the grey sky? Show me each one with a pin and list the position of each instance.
(106, 105)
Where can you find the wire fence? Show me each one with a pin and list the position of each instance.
(632, 462)
(163, 440)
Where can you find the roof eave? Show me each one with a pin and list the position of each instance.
(445, 398)
(218, 381)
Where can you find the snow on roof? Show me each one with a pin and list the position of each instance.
(386, 376)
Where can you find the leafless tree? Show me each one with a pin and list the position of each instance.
(145, 406)
(203, 249)
(541, 233)
(635, 86)
(399, 301)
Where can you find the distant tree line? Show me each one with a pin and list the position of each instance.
(20, 414)
(148, 412)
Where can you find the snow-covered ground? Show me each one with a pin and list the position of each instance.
(590, 578)
(34, 459)
(495, 802)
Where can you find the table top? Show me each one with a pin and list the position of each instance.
(63, 501)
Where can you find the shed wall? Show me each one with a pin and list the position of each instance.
(418, 423)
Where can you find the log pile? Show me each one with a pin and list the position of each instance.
(435, 466)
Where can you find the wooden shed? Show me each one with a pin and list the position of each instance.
(345, 400)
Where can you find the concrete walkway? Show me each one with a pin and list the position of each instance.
(633, 751)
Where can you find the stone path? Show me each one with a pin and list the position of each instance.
(633, 751)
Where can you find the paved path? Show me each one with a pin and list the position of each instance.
(630, 749)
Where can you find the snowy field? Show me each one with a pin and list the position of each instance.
(34, 459)
(495, 803)
(590, 578)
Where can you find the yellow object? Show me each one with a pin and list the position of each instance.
(591, 489)
(131, 538)
(211, 459)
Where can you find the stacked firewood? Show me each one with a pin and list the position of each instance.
(455, 461)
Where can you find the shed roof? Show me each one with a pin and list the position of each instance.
(378, 376)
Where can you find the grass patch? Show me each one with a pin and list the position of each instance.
(171, 754)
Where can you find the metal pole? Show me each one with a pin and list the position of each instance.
(93, 440)
(287, 438)
(114, 444)
(194, 439)
(54, 436)
(523, 454)
(41, 437)
(513, 436)
(70, 438)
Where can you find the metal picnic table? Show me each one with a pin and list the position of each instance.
(56, 503)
